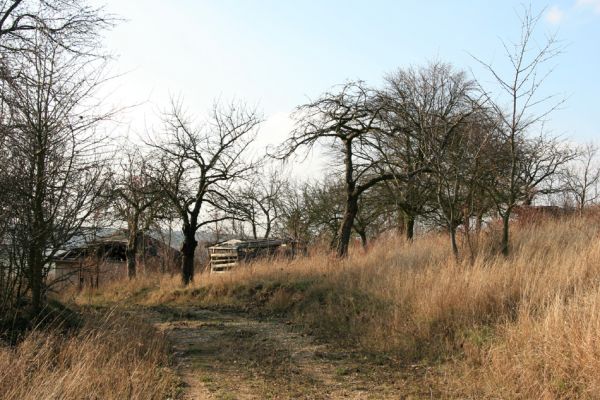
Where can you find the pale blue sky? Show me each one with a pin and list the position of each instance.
(277, 53)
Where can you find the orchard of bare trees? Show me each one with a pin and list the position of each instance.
(53, 160)
(431, 148)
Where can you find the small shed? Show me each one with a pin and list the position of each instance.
(105, 258)
(226, 255)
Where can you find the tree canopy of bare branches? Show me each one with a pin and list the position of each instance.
(580, 178)
(72, 25)
(137, 199)
(520, 107)
(424, 114)
(346, 120)
(50, 117)
(197, 165)
(258, 201)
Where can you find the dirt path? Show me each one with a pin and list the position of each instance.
(224, 355)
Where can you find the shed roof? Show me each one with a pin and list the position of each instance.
(254, 243)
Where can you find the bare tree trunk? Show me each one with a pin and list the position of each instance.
(453, 240)
(409, 226)
(36, 280)
(401, 224)
(131, 252)
(39, 230)
(267, 228)
(254, 230)
(97, 284)
(346, 226)
(505, 233)
(188, 249)
(345, 230)
(131, 267)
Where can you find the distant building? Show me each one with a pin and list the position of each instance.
(104, 259)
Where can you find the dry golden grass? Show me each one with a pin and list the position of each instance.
(111, 358)
(554, 356)
(525, 326)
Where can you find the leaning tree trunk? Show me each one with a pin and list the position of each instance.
(188, 249)
(345, 231)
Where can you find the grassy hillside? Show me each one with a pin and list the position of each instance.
(525, 326)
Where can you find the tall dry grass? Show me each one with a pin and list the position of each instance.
(555, 355)
(525, 326)
(109, 358)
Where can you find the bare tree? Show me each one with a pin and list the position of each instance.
(581, 177)
(324, 207)
(294, 220)
(541, 160)
(423, 110)
(197, 165)
(12, 263)
(346, 120)
(137, 200)
(72, 25)
(372, 214)
(257, 201)
(51, 119)
(520, 108)
(457, 168)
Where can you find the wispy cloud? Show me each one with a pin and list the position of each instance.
(593, 4)
(555, 15)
